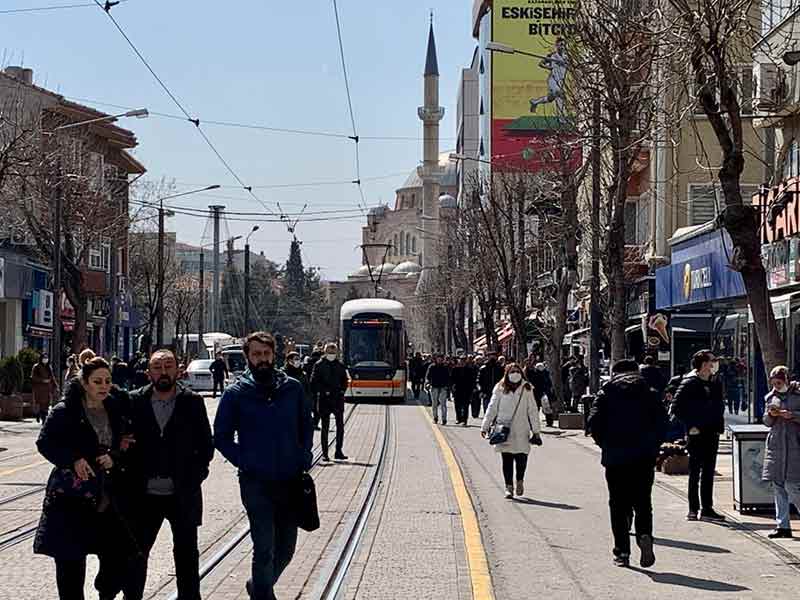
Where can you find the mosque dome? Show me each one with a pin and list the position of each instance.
(447, 202)
(408, 267)
(362, 271)
(384, 268)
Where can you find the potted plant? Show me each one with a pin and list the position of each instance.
(11, 380)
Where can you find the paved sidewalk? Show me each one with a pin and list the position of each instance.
(557, 542)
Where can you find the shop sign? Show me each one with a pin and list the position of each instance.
(787, 221)
(695, 279)
(43, 305)
(781, 262)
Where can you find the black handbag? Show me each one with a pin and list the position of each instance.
(304, 501)
(500, 436)
(64, 483)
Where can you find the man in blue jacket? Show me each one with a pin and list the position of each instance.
(264, 428)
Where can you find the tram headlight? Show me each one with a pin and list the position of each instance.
(389, 376)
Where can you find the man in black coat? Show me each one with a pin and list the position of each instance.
(488, 377)
(416, 373)
(463, 376)
(329, 383)
(219, 372)
(628, 421)
(700, 406)
(652, 374)
(174, 449)
(438, 382)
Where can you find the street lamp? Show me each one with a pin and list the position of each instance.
(139, 113)
(160, 281)
(247, 279)
(55, 351)
(201, 318)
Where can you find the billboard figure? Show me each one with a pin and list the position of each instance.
(556, 63)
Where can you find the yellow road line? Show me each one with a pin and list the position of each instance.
(22, 468)
(476, 554)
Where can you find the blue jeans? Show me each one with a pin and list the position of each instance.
(786, 494)
(439, 402)
(273, 531)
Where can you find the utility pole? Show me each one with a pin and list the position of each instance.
(217, 210)
(247, 280)
(160, 282)
(201, 347)
(56, 350)
(594, 333)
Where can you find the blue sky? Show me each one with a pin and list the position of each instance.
(264, 62)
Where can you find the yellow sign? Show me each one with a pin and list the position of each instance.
(528, 91)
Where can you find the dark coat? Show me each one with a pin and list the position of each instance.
(654, 377)
(438, 376)
(187, 446)
(329, 381)
(488, 377)
(416, 369)
(71, 528)
(219, 369)
(542, 384)
(628, 421)
(699, 403)
(464, 379)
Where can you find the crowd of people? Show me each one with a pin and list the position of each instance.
(126, 457)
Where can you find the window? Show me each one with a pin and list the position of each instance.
(100, 256)
(414, 245)
(630, 222)
(95, 173)
(413, 200)
(706, 201)
(408, 243)
(791, 161)
(744, 84)
(402, 245)
(395, 249)
(637, 221)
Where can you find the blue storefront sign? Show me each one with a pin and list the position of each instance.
(699, 272)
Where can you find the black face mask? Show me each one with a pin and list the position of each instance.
(164, 383)
(263, 372)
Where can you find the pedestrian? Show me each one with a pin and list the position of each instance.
(43, 386)
(119, 373)
(652, 374)
(416, 373)
(463, 376)
(565, 370)
(513, 406)
(475, 394)
(329, 383)
(263, 427)
(87, 501)
(308, 369)
(578, 382)
(294, 369)
(437, 381)
(174, 449)
(72, 369)
(488, 376)
(219, 373)
(782, 455)
(699, 405)
(628, 421)
(543, 392)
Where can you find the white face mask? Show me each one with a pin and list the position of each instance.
(45, 361)
(330, 356)
(714, 367)
(515, 377)
(296, 364)
(782, 388)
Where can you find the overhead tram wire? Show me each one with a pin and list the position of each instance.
(204, 211)
(32, 9)
(194, 120)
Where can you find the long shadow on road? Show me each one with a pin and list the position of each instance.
(691, 582)
(545, 504)
(690, 546)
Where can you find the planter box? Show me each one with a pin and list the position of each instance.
(570, 421)
(11, 407)
(675, 465)
(27, 405)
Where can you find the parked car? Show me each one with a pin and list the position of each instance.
(198, 375)
(234, 358)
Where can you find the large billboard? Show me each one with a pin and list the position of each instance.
(529, 107)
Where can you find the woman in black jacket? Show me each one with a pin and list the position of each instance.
(86, 437)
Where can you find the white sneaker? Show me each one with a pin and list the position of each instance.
(509, 491)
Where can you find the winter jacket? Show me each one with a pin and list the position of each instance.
(42, 385)
(654, 377)
(273, 424)
(522, 422)
(184, 451)
(71, 528)
(488, 377)
(438, 376)
(699, 403)
(464, 378)
(628, 421)
(782, 452)
(329, 380)
(219, 369)
(416, 369)
(578, 380)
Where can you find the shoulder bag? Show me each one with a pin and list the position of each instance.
(303, 492)
(500, 433)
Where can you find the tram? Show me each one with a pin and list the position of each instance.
(374, 349)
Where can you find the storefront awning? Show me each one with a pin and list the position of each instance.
(574, 335)
(781, 306)
(702, 323)
(506, 333)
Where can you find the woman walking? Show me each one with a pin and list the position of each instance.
(85, 437)
(782, 457)
(43, 386)
(512, 414)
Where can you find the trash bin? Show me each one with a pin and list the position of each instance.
(750, 492)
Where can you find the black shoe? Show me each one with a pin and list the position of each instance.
(622, 560)
(444, 423)
(249, 587)
(326, 458)
(692, 515)
(780, 533)
(647, 559)
(339, 456)
(711, 515)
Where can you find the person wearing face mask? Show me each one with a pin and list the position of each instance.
(174, 449)
(43, 386)
(294, 369)
(329, 383)
(700, 406)
(263, 427)
(88, 501)
(513, 406)
(782, 455)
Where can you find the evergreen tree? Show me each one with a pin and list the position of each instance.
(295, 273)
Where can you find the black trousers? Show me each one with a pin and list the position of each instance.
(327, 408)
(630, 489)
(509, 462)
(416, 386)
(703, 450)
(475, 404)
(184, 544)
(218, 383)
(461, 401)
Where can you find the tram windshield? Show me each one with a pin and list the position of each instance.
(372, 342)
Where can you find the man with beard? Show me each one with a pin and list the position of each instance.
(329, 383)
(263, 427)
(174, 448)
